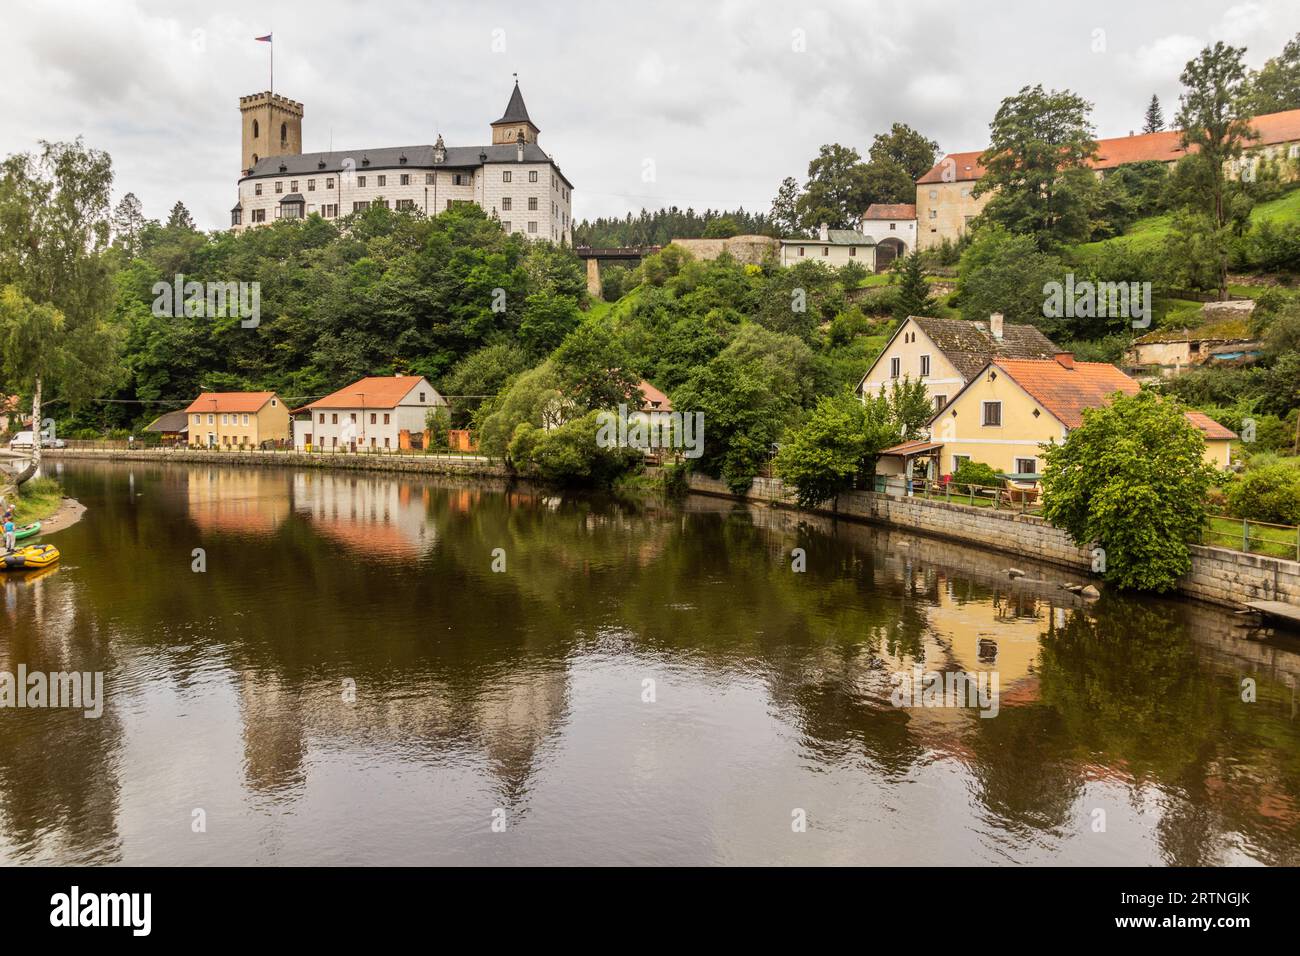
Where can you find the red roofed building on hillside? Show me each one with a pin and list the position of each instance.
(371, 413)
(946, 204)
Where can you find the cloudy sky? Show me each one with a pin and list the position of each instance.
(702, 103)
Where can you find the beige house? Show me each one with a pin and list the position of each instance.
(832, 247)
(1012, 406)
(1169, 352)
(946, 203)
(237, 419)
(945, 353)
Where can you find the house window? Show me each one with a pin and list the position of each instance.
(334, 418)
(361, 181)
(353, 416)
(925, 365)
(257, 189)
(939, 402)
(993, 414)
(387, 418)
(383, 180)
(386, 442)
(225, 419)
(196, 419)
(322, 418)
(532, 175)
(895, 367)
(273, 403)
(311, 185)
(279, 187)
(211, 419)
(405, 179)
(507, 176)
(893, 226)
(422, 398)
(826, 250)
(505, 204)
(801, 250)
(374, 419)
(853, 251)
(957, 460)
(1026, 466)
(329, 182)
(244, 421)
(532, 203)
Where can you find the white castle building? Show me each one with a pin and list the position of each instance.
(511, 178)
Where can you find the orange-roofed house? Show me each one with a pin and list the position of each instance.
(1006, 411)
(946, 203)
(370, 414)
(237, 419)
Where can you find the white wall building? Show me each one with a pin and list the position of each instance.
(893, 227)
(368, 414)
(831, 247)
(511, 178)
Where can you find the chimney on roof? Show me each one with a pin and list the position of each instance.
(995, 325)
(824, 232)
(1065, 359)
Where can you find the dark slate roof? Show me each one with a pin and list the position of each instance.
(515, 112)
(835, 237)
(293, 197)
(178, 421)
(389, 157)
(969, 346)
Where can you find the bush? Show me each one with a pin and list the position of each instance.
(975, 473)
(570, 454)
(1270, 493)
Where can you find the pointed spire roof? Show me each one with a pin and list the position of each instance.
(515, 112)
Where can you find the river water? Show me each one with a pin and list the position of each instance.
(315, 667)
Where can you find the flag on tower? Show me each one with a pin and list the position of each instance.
(265, 39)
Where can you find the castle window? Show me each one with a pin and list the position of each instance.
(826, 250)
(428, 179)
(507, 176)
(236, 216)
(532, 227)
(457, 179)
(406, 204)
(361, 182)
(893, 226)
(359, 206)
(506, 225)
(934, 214)
(329, 182)
(532, 203)
(259, 215)
(284, 133)
(506, 203)
(383, 180)
(532, 175)
(255, 159)
(406, 179)
(293, 185)
(311, 185)
(853, 251)
(257, 130)
(279, 187)
(257, 189)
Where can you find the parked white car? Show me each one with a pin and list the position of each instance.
(24, 440)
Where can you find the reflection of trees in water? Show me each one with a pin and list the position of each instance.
(58, 780)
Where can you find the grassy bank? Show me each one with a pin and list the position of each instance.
(37, 500)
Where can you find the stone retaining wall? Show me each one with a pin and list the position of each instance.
(1218, 575)
(419, 464)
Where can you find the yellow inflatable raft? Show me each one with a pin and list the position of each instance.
(29, 558)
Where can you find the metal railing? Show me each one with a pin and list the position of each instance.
(235, 450)
(1252, 537)
(998, 497)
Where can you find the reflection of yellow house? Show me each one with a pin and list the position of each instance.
(251, 502)
(232, 419)
(1013, 405)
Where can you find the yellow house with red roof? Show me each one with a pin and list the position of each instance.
(234, 419)
(1012, 406)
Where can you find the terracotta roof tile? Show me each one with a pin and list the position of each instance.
(230, 402)
(655, 400)
(372, 392)
(890, 210)
(1211, 428)
(965, 167)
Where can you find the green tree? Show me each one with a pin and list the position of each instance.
(913, 291)
(128, 224)
(1132, 479)
(547, 319)
(906, 148)
(571, 454)
(180, 218)
(1270, 494)
(836, 192)
(910, 408)
(594, 367)
(1276, 87)
(724, 227)
(1214, 124)
(838, 443)
(1039, 146)
(1001, 272)
(785, 207)
(481, 375)
(54, 228)
(1154, 121)
(437, 422)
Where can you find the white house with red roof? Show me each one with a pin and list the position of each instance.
(368, 415)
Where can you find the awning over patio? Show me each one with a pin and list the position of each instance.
(910, 449)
